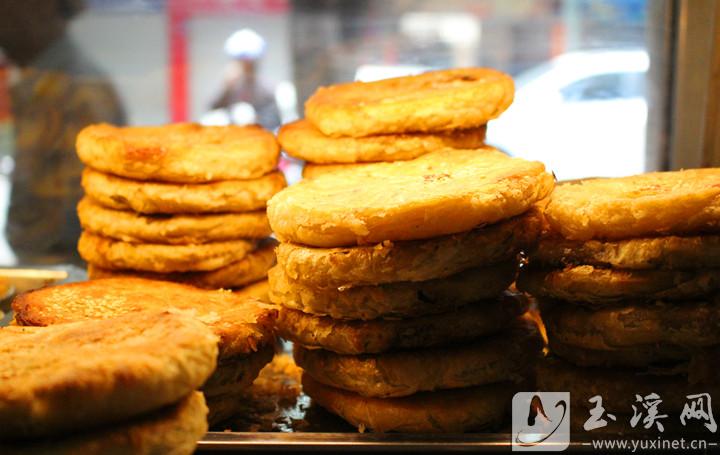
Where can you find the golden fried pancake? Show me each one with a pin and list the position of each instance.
(172, 229)
(414, 260)
(434, 101)
(668, 252)
(507, 356)
(258, 290)
(389, 300)
(444, 411)
(155, 257)
(181, 153)
(251, 268)
(174, 429)
(688, 324)
(229, 196)
(380, 335)
(92, 373)
(242, 325)
(641, 355)
(440, 193)
(618, 387)
(657, 203)
(585, 283)
(302, 140)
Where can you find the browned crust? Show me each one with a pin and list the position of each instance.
(253, 267)
(182, 153)
(381, 335)
(507, 356)
(302, 140)
(243, 325)
(445, 411)
(417, 260)
(87, 374)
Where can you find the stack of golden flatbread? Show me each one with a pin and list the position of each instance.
(127, 384)
(392, 277)
(244, 327)
(628, 275)
(180, 202)
(354, 123)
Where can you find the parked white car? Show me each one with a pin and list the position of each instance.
(583, 114)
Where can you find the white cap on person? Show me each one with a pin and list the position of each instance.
(245, 44)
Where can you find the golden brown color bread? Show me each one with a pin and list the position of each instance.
(380, 335)
(93, 373)
(657, 203)
(404, 299)
(253, 267)
(640, 355)
(444, 411)
(258, 290)
(415, 260)
(667, 252)
(508, 356)
(585, 283)
(691, 324)
(242, 325)
(434, 101)
(229, 196)
(302, 140)
(618, 387)
(172, 430)
(181, 153)
(174, 229)
(155, 257)
(311, 171)
(440, 193)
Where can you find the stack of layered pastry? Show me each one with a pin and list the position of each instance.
(627, 276)
(342, 130)
(180, 202)
(392, 284)
(122, 385)
(244, 327)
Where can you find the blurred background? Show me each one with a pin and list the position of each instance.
(599, 82)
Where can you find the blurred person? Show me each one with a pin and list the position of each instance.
(244, 99)
(57, 91)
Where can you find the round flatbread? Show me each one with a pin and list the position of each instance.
(173, 229)
(669, 252)
(690, 324)
(302, 140)
(398, 300)
(434, 101)
(380, 335)
(445, 411)
(242, 325)
(311, 171)
(638, 356)
(440, 193)
(181, 153)
(415, 260)
(508, 356)
(618, 387)
(93, 373)
(657, 203)
(175, 429)
(154, 257)
(253, 267)
(230, 196)
(258, 290)
(585, 283)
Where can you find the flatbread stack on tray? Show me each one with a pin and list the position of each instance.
(244, 328)
(127, 384)
(628, 275)
(350, 124)
(179, 202)
(392, 277)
